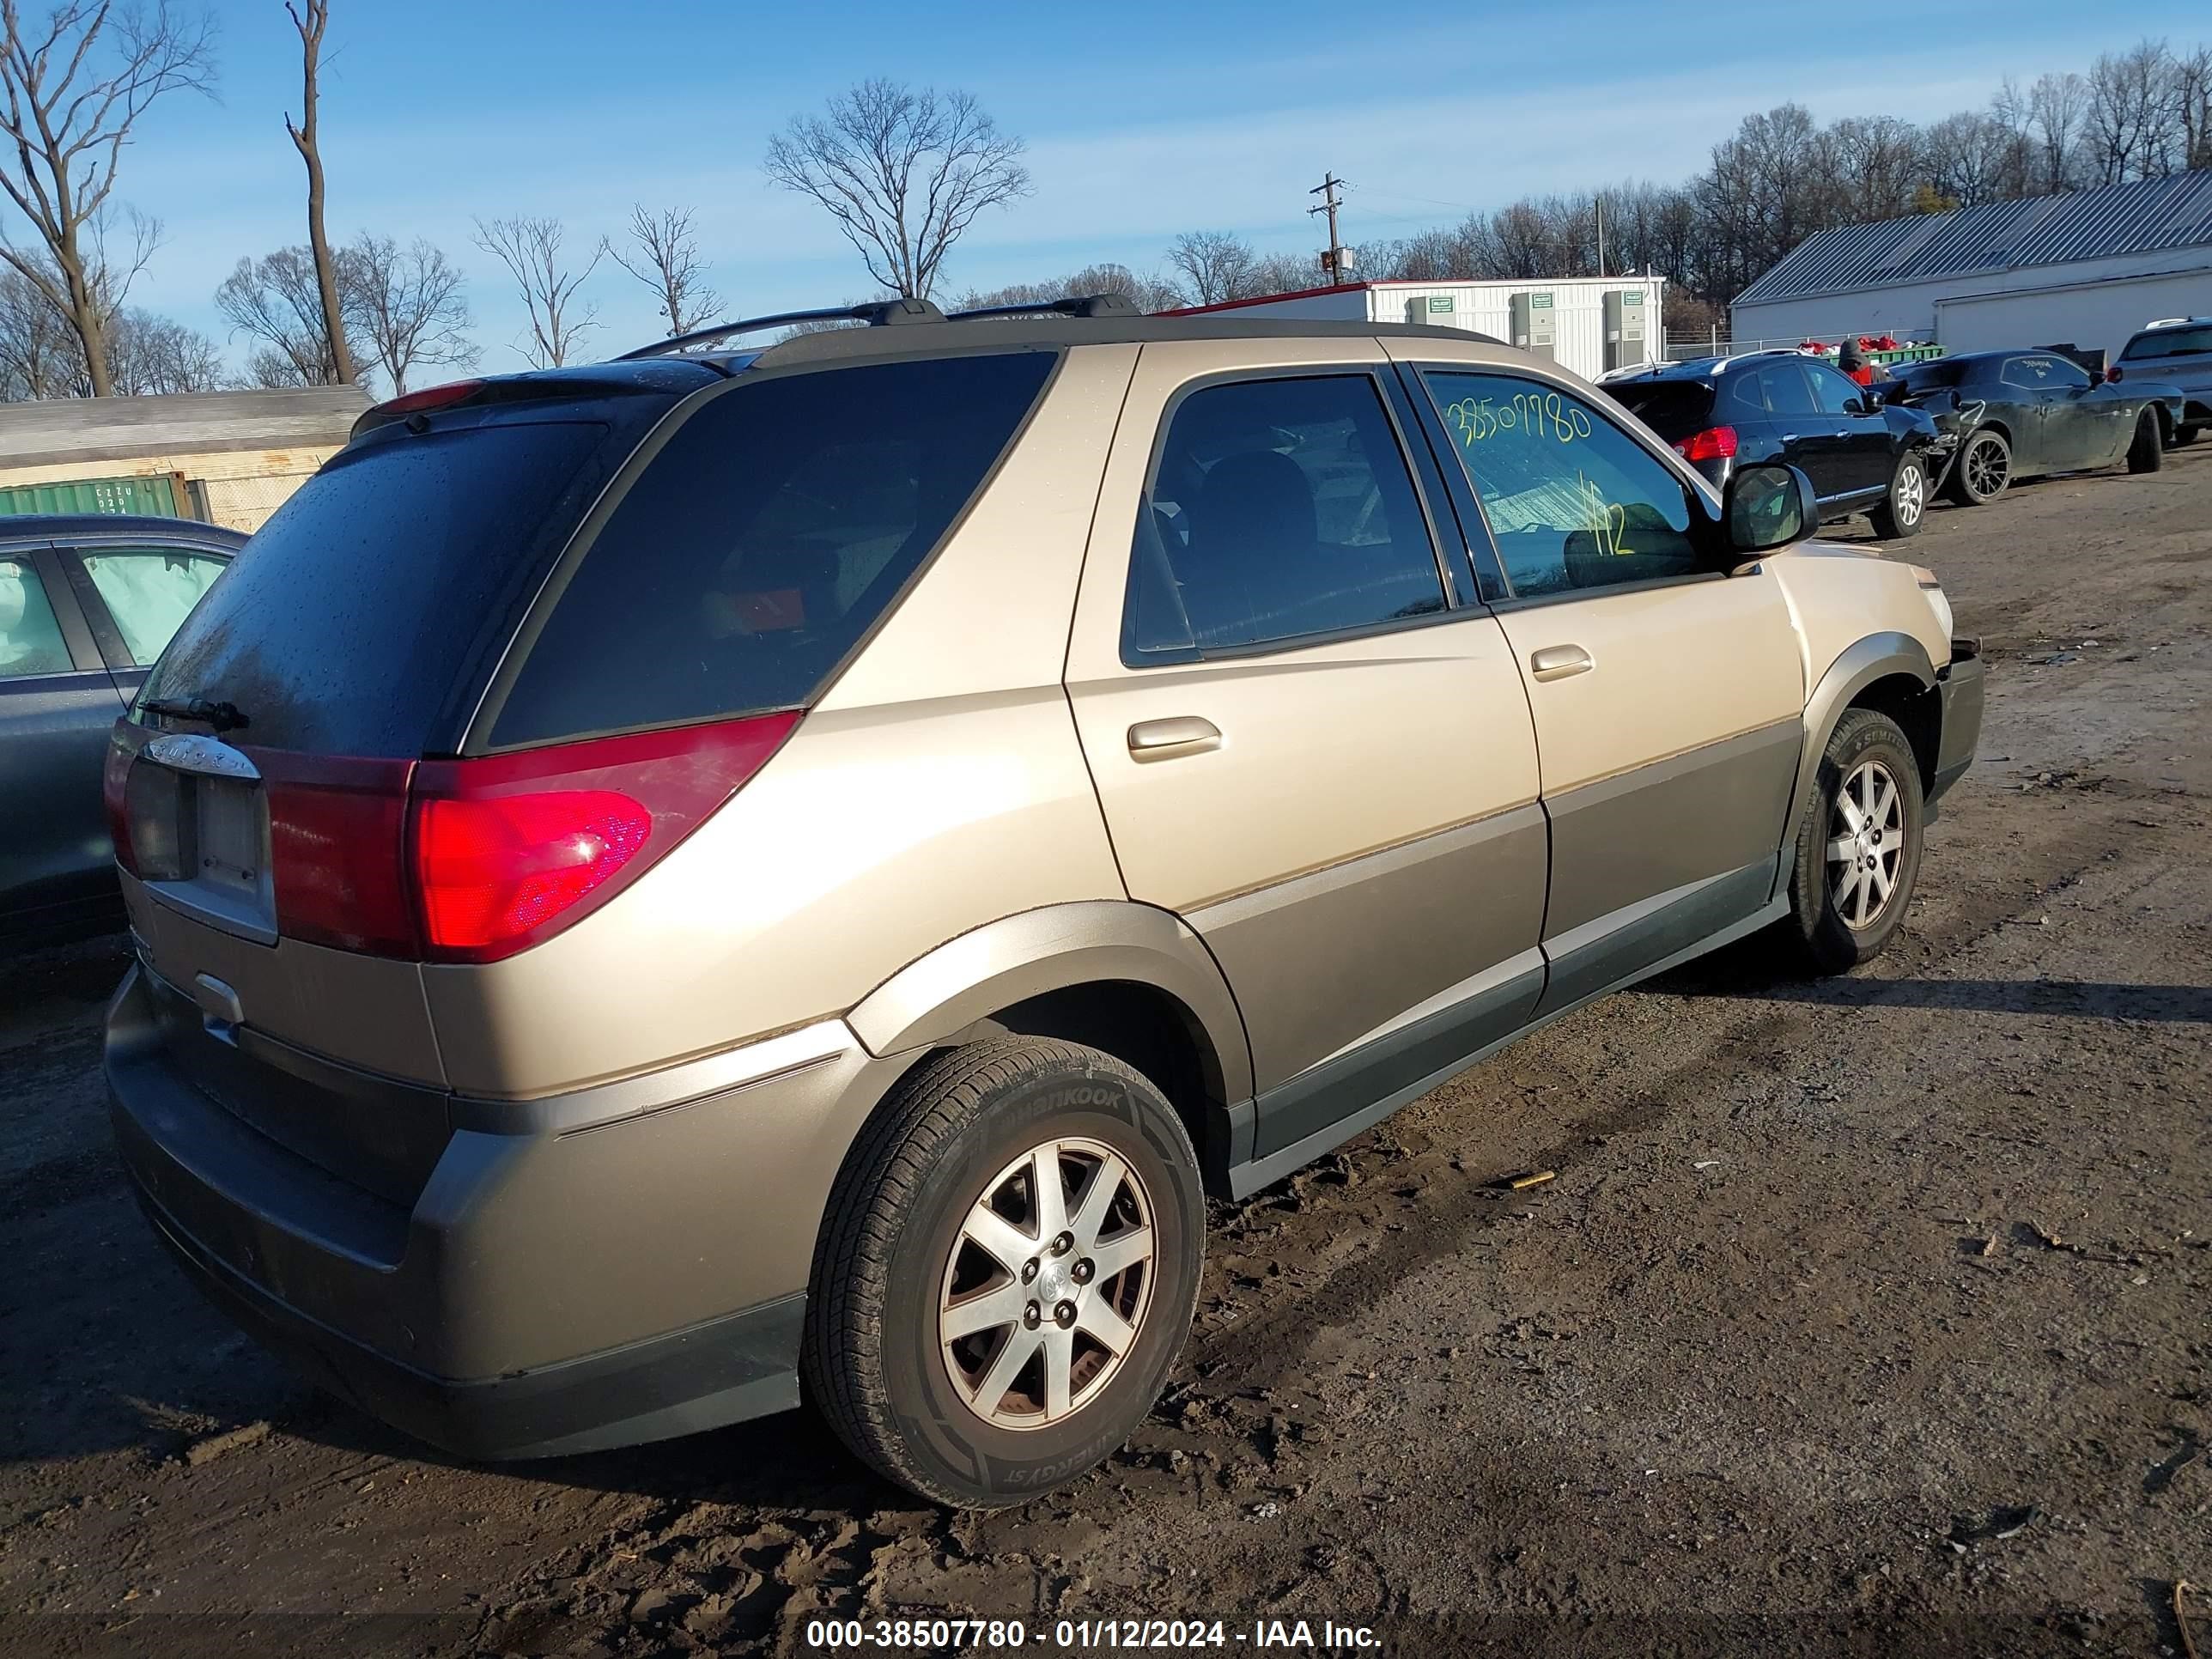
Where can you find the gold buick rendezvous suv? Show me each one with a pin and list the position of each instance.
(659, 882)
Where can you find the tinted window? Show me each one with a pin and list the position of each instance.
(1673, 409)
(2169, 342)
(1936, 371)
(1277, 509)
(1835, 391)
(347, 622)
(1786, 389)
(1746, 395)
(2041, 374)
(1573, 501)
(30, 639)
(766, 536)
(150, 593)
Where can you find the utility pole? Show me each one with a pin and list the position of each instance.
(1334, 262)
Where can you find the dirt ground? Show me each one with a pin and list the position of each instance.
(1867, 1316)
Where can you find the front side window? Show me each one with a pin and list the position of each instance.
(149, 592)
(1573, 501)
(1278, 509)
(1836, 392)
(30, 638)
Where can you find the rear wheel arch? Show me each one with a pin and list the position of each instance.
(1130, 980)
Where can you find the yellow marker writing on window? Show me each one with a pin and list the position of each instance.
(1606, 521)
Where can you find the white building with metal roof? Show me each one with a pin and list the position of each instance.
(2086, 269)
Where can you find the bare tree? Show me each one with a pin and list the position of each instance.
(2057, 106)
(74, 88)
(667, 261)
(1215, 265)
(41, 356)
(311, 27)
(530, 249)
(2192, 106)
(902, 173)
(276, 302)
(153, 356)
(1146, 293)
(407, 306)
(2128, 126)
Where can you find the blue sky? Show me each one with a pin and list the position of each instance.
(1142, 120)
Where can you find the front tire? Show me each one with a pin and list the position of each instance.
(2147, 452)
(1858, 846)
(1006, 1272)
(1902, 510)
(1983, 471)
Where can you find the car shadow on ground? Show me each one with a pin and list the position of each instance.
(1749, 974)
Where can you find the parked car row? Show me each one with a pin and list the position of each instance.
(1966, 426)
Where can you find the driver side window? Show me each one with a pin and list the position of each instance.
(1573, 501)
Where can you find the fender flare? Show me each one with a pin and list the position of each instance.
(966, 979)
(1876, 657)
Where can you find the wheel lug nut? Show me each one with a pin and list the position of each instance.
(1029, 1270)
(1032, 1316)
(1062, 1244)
(1064, 1313)
(1083, 1271)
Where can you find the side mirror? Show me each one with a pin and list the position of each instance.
(1768, 507)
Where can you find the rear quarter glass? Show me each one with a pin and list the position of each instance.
(759, 545)
(356, 620)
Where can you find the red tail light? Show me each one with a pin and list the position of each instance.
(1715, 443)
(474, 860)
(122, 749)
(2113, 373)
(509, 849)
(430, 397)
(490, 871)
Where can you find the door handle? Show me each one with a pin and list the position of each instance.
(1789, 437)
(1182, 734)
(1557, 662)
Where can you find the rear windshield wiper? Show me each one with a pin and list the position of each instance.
(223, 716)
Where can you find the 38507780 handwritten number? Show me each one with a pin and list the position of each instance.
(1526, 413)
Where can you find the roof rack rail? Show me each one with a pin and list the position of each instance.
(1075, 304)
(876, 314)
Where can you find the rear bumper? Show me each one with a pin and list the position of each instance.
(1960, 686)
(565, 1280)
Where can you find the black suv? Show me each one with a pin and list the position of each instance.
(2176, 350)
(1723, 412)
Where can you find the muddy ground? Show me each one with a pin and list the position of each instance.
(1873, 1316)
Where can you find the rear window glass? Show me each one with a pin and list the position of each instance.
(765, 538)
(353, 615)
(2170, 343)
(1673, 409)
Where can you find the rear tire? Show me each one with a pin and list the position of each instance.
(963, 1150)
(1858, 847)
(1983, 471)
(2147, 452)
(1903, 509)
(2183, 436)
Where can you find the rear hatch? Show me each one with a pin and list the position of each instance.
(257, 790)
(1671, 408)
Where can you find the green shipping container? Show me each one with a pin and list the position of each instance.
(157, 497)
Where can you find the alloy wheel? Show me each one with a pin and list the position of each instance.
(1987, 467)
(1911, 495)
(1865, 845)
(1047, 1285)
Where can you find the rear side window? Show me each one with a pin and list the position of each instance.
(778, 522)
(149, 592)
(1279, 509)
(344, 626)
(2169, 342)
(30, 639)
(1784, 389)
